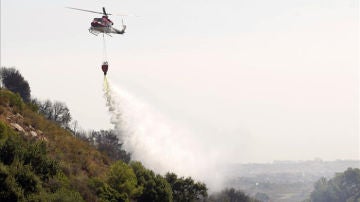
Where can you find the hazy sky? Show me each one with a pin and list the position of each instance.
(261, 80)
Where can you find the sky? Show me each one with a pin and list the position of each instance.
(256, 81)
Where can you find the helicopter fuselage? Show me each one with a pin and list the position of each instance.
(104, 25)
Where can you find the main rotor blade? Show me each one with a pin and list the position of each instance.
(104, 10)
(88, 11)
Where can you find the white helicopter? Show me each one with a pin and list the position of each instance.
(104, 24)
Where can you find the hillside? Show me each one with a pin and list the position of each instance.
(42, 161)
(76, 160)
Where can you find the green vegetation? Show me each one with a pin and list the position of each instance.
(119, 185)
(155, 187)
(61, 166)
(57, 166)
(185, 189)
(43, 159)
(343, 187)
(26, 170)
(15, 82)
(57, 111)
(231, 195)
(107, 142)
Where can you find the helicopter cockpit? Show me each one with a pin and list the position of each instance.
(98, 22)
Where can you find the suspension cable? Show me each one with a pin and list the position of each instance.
(104, 49)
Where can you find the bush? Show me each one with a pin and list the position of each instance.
(107, 141)
(343, 187)
(3, 133)
(105, 192)
(26, 179)
(155, 187)
(15, 82)
(11, 99)
(61, 195)
(2, 110)
(57, 111)
(186, 189)
(123, 179)
(35, 155)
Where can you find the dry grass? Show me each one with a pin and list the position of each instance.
(78, 160)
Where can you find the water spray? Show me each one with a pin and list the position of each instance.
(158, 143)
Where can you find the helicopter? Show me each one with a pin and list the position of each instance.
(104, 24)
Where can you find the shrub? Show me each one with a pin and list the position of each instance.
(155, 187)
(123, 179)
(15, 82)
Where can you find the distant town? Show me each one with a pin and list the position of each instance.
(284, 181)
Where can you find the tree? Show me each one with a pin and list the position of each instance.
(186, 189)
(26, 170)
(108, 142)
(61, 113)
(123, 179)
(57, 111)
(105, 192)
(44, 107)
(231, 195)
(15, 82)
(35, 155)
(155, 187)
(343, 187)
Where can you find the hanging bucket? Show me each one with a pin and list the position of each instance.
(105, 67)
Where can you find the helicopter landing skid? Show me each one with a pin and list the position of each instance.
(96, 33)
(93, 32)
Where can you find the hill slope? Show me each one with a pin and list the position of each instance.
(41, 161)
(75, 159)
